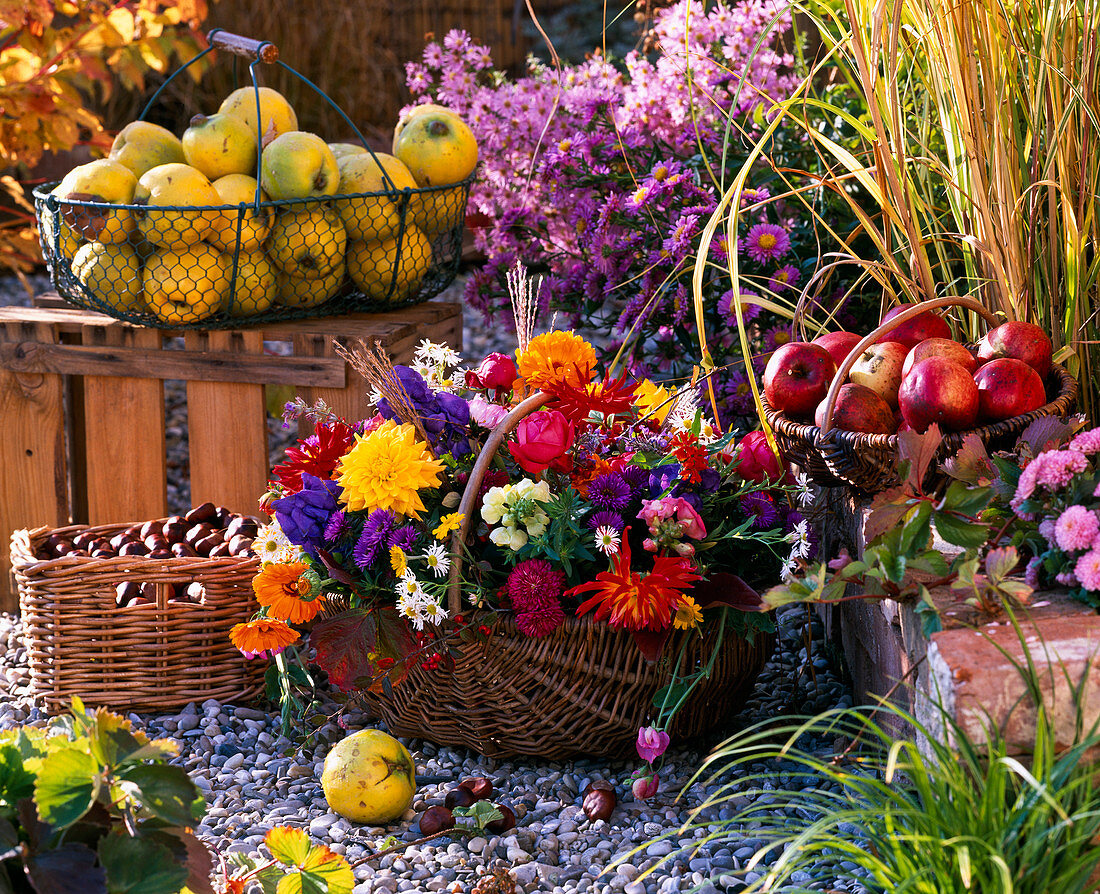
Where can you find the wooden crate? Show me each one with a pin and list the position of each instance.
(82, 407)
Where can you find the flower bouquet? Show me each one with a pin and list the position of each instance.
(524, 556)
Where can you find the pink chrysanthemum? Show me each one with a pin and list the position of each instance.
(541, 620)
(766, 242)
(1067, 578)
(535, 587)
(1053, 470)
(1046, 530)
(1076, 529)
(1031, 573)
(1086, 442)
(1087, 570)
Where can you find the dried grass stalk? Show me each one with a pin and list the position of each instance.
(375, 366)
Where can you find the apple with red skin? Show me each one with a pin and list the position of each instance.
(858, 408)
(940, 347)
(797, 377)
(838, 344)
(1008, 387)
(910, 333)
(1020, 341)
(880, 369)
(941, 391)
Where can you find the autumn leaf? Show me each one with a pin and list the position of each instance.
(919, 450)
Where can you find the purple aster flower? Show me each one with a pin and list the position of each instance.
(762, 507)
(372, 542)
(637, 478)
(404, 537)
(767, 242)
(785, 277)
(607, 519)
(609, 491)
(337, 526)
(305, 515)
(754, 196)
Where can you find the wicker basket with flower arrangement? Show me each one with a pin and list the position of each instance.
(524, 557)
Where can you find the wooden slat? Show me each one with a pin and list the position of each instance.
(227, 429)
(125, 464)
(33, 461)
(211, 366)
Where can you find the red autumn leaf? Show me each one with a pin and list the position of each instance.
(920, 451)
(650, 642)
(344, 643)
(722, 588)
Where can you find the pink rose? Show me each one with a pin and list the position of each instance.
(497, 371)
(485, 414)
(651, 743)
(540, 439)
(756, 460)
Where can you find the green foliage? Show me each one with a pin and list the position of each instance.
(92, 799)
(953, 815)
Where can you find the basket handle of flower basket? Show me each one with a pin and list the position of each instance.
(469, 497)
(264, 50)
(869, 339)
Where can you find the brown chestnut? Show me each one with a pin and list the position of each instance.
(459, 797)
(133, 532)
(197, 533)
(133, 548)
(436, 819)
(161, 552)
(116, 542)
(195, 592)
(127, 592)
(150, 527)
(84, 539)
(175, 532)
(599, 800)
(182, 550)
(155, 541)
(103, 553)
(240, 545)
(478, 786)
(62, 547)
(506, 822)
(99, 543)
(219, 550)
(204, 546)
(204, 512)
(223, 517)
(242, 524)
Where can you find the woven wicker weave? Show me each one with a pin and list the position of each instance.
(584, 689)
(868, 462)
(152, 657)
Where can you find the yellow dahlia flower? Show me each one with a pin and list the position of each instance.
(385, 469)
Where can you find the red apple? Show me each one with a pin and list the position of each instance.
(940, 347)
(910, 333)
(939, 390)
(797, 377)
(1020, 341)
(1008, 387)
(879, 368)
(858, 408)
(838, 344)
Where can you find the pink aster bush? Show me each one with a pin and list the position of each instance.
(1060, 489)
(601, 176)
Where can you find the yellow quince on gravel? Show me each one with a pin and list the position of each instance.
(369, 777)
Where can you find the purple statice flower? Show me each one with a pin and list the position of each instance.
(338, 525)
(373, 541)
(609, 491)
(606, 519)
(304, 516)
(762, 508)
(767, 242)
(404, 537)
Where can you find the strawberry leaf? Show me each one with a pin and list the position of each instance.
(287, 845)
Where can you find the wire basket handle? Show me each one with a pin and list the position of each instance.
(262, 50)
(473, 486)
(888, 326)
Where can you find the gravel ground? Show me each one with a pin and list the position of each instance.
(255, 778)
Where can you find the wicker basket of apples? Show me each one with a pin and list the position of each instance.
(245, 218)
(837, 404)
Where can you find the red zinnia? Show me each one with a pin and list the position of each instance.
(318, 454)
(627, 599)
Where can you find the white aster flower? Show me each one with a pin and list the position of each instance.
(437, 559)
(272, 545)
(787, 571)
(801, 540)
(411, 607)
(607, 540)
(803, 492)
(433, 612)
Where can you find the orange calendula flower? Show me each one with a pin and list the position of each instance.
(625, 598)
(687, 615)
(556, 357)
(277, 588)
(262, 636)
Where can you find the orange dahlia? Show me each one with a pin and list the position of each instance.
(556, 357)
(262, 636)
(280, 589)
(625, 598)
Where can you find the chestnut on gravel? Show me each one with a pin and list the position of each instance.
(478, 786)
(599, 800)
(459, 797)
(436, 819)
(506, 822)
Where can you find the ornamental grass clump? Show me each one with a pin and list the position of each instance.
(951, 815)
(616, 498)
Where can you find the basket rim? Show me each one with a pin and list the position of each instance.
(811, 434)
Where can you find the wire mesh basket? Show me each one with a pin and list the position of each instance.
(179, 255)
